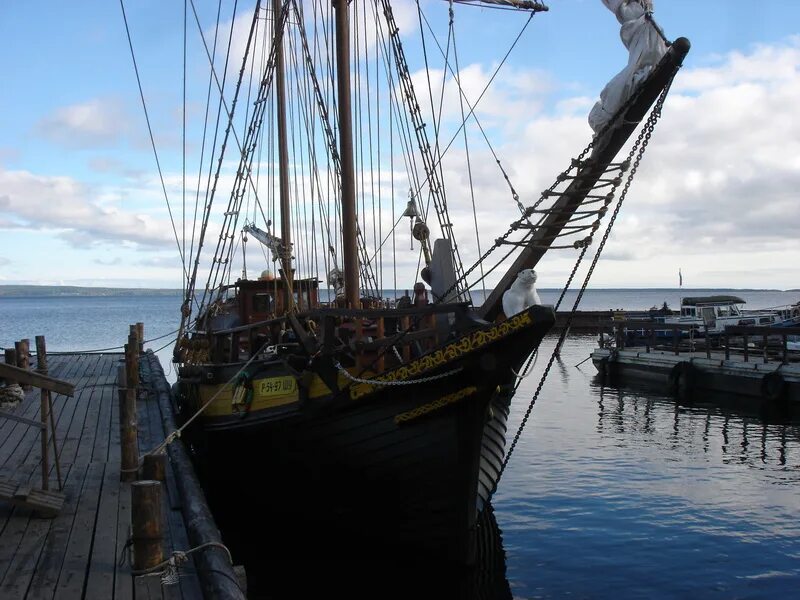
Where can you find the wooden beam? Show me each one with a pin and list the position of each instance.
(44, 382)
(7, 415)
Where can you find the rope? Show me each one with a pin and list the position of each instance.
(152, 139)
(96, 350)
(168, 569)
(177, 433)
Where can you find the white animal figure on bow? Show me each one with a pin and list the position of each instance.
(522, 293)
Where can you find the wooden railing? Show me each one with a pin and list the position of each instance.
(15, 370)
(371, 333)
(619, 331)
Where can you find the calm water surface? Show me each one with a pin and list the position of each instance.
(611, 492)
(621, 493)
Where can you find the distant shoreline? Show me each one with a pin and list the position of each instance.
(72, 291)
(60, 291)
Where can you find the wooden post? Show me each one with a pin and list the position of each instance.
(379, 334)
(676, 336)
(127, 413)
(23, 348)
(155, 467)
(746, 351)
(140, 336)
(727, 346)
(146, 526)
(766, 349)
(359, 335)
(405, 324)
(11, 357)
(41, 366)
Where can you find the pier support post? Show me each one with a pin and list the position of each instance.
(41, 366)
(140, 336)
(155, 466)
(23, 349)
(146, 526)
(11, 356)
(127, 413)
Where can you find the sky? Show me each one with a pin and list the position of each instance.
(81, 202)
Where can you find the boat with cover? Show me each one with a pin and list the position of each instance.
(712, 314)
(320, 415)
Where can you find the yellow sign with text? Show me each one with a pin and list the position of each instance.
(275, 386)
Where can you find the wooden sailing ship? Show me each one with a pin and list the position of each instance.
(332, 413)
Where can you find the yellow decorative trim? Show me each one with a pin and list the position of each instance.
(435, 405)
(448, 353)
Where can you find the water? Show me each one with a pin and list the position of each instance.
(611, 492)
(622, 493)
(81, 323)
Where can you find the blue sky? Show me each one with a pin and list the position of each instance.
(80, 201)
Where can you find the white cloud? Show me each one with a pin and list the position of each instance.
(75, 211)
(86, 125)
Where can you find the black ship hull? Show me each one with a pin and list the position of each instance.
(389, 469)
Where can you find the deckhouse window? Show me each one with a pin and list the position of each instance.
(262, 303)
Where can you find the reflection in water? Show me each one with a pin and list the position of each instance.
(620, 492)
(368, 572)
(742, 434)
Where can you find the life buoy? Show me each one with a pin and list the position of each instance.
(681, 380)
(774, 388)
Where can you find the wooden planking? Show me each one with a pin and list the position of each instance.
(100, 576)
(48, 569)
(23, 565)
(79, 546)
(76, 554)
(14, 527)
(123, 580)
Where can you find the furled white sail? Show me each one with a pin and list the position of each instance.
(645, 46)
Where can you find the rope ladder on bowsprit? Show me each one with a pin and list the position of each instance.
(631, 166)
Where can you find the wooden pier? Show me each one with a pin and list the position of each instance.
(82, 548)
(746, 361)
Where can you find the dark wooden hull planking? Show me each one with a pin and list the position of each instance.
(392, 468)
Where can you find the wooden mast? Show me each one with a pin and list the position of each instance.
(283, 155)
(349, 223)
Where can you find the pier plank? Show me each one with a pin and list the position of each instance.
(23, 565)
(45, 579)
(76, 554)
(79, 547)
(100, 579)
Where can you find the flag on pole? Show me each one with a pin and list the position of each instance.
(680, 278)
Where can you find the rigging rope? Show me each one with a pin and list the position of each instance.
(152, 139)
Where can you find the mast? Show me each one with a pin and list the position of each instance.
(283, 155)
(349, 224)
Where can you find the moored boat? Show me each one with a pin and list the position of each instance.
(322, 415)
